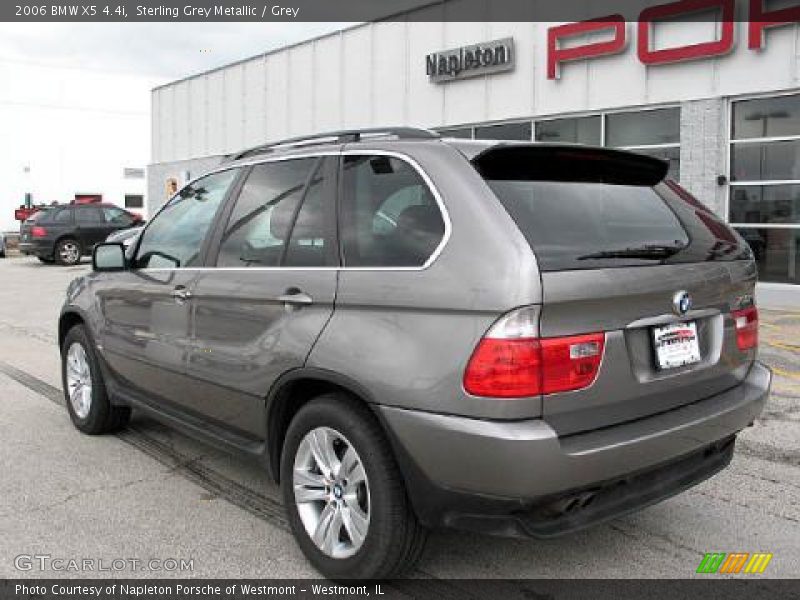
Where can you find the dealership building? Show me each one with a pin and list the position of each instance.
(719, 100)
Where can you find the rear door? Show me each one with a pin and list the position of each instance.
(268, 292)
(90, 222)
(147, 308)
(623, 252)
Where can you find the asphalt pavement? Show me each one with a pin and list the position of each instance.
(151, 502)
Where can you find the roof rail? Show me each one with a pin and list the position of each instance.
(340, 137)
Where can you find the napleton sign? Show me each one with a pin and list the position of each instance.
(760, 19)
(470, 61)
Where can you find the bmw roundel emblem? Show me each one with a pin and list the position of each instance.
(681, 303)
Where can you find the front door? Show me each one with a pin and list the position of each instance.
(259, 310)
(147, 310)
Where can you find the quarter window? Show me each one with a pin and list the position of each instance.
(265, 211)
(389, 216)
(175, 236)
(117, 216)
(90, 214)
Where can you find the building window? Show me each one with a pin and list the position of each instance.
(581, 130)
(134, 201)
(655, 132)
(458, 132)
(764, 196)
(506, 131)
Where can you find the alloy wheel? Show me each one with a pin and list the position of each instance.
(79, 380)
(331, 492)
(69, 252)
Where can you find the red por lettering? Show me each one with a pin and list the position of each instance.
(691, 51)
(556, 55)
(761, 20)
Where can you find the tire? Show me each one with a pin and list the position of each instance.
(91, 412)
(46, 260)
(394, 539)
(68, 252)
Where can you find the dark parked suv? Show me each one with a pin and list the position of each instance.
(412, 332)
(63, 234)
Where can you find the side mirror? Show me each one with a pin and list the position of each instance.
(108, 257)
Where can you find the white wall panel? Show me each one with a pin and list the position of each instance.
(301, 89)
(277, 95)
(198, 116)
(510, 95)
(425, 100)
(156, 133)
(464, 100)
(255, 115)
(357, 77)
(328, 85)
(181, 120)
(216, 113)
(390, 67)
(166, 119)
(234, 108)
(375, 75)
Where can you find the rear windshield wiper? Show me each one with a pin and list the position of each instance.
(646, 251)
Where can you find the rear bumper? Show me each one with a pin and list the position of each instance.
(512, 477)
(37, 248)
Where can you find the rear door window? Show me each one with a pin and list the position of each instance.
(584, 209)
(388, 214)
(90, 215)
(265, 212)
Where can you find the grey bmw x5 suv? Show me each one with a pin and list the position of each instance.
(412, 332)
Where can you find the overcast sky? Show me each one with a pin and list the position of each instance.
(75, 98)
(163, 50)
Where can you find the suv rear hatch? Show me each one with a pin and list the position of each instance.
(618, 249)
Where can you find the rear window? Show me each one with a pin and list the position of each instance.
(584, 208)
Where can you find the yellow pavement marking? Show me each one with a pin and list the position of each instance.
(789, 374)
(790, 347)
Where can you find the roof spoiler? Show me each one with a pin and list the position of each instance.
(573, 164)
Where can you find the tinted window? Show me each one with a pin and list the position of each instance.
(642, 128)
(117, 216)
(582, 130)
(596, 216)
(777, 252)
(59, 215)
(175, 236)
(389, 215)
(262, 218)
(134, 201)
(308, 246)
(771, 160)
(89, 214)
(766, 117)
(506, 131)
(458, 132)
(765, 204)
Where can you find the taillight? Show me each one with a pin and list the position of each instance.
(38, 232)
(746, 321)
(512, 362)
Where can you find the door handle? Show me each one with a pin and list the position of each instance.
(181, 294)
(296, 297)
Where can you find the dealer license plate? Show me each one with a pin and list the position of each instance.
(676, 345)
